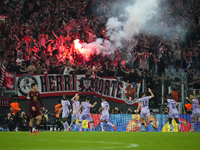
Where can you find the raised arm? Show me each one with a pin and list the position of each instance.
(189, 100)
(91, 106)
(16, 38)
(67, 35)
(79, 109)
(154, 58)
(135, 58)
(152, 95)
(74, 97)
(164, 98)
(55, 35)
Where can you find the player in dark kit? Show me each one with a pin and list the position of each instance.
(34, 110)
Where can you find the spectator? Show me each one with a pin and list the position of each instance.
(23, 69)
(67, 69)
(31, 68)
(161, 67)
(177, 58)
(20, 60)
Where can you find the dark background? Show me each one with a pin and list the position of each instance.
(50, 102)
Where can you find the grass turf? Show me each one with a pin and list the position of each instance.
(99, 140)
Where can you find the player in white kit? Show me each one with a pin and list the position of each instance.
(79, 115)
(173, 113)
(195, 110)
(85, 106)
(75, 106)
(145, 112)
(105, 113)
(65, 108)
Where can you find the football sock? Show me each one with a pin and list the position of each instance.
(101, 125)
(192, 125)
(31, 129)
(109, 123)
(179, 125)
(37, 126)
(142, 125)
(151, 122)
(168, 122)
(64, 125)
(67, 125)
(71, 124)
(81, 126)
(91, 125)
(171, 125)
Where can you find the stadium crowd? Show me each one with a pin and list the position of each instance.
(38, 37)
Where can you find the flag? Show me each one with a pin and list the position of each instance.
(3, 69)
(2, 19)
(197, 93)
(9, 80)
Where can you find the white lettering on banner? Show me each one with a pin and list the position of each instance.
(10, 86)
(11, 75)
(57, 85)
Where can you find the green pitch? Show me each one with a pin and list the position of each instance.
(99, 140)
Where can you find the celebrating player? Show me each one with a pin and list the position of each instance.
(75, 105)
(145, 108)
(105, 113)
(195, 110)
(65, 108)
(173, 113)
(79, 115)
(34, 110)
(86, 113)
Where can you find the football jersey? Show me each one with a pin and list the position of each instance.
(106, 106)
(65, 105)
(145, 102)
(86, 108)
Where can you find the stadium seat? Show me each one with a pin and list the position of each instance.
(181, 70)
(172, 70)
(166, 70)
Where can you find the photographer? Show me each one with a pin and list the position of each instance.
(130, 111)
(166, 110)
(23, 121)
(116, 111)
(44, 119)
(10, 122)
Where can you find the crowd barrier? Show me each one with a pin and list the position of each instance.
(131, 123)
